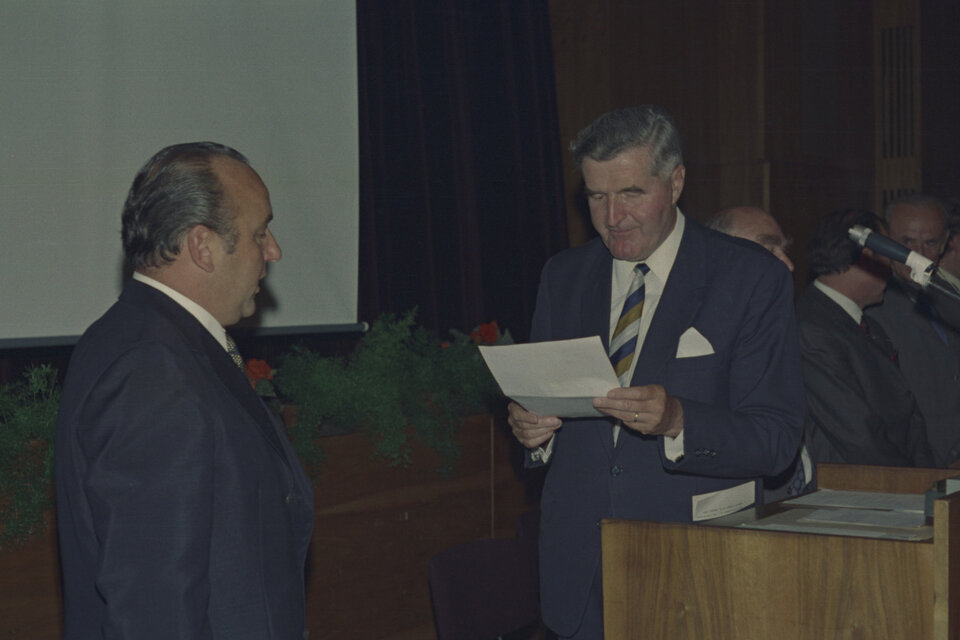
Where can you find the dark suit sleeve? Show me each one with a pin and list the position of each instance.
(743, 406)
(148, 443)
(843, 425)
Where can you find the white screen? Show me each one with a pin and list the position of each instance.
(90, 90)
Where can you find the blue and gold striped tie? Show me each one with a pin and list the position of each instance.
(623, 343)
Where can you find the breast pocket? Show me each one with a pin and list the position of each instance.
(702, 378)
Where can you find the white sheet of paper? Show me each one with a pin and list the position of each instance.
(723, 502)
(559, 378)
(905, 502)
(869, 517)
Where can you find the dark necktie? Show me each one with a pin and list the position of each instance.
(879, 338)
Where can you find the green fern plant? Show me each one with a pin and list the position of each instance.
(28, 416)
(400, 378)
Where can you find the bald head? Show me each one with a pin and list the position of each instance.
(756, 225)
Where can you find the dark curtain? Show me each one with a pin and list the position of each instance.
(461, 194)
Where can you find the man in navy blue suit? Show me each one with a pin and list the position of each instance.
(713, 398)
(182, 509)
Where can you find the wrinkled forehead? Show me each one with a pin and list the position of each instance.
(917, 220)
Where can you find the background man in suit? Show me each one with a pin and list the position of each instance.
(183, 511)
(754, 224)
(928, 347)
(713, 398)
(860, 409)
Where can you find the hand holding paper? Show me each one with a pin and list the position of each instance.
(559, 378)
(530, 429)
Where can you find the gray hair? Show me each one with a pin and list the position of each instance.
(916, 200)
(617, 131)
(173, 192)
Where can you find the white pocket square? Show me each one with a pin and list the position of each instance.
(693, 344)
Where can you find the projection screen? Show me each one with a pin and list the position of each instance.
(92, 89)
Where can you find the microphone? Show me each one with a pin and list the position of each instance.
(921, 267)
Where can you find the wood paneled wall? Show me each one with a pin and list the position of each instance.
(612, 53)
(775, 99)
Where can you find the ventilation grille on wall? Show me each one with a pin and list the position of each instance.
(898, 112)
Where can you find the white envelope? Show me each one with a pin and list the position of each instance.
(693, 344)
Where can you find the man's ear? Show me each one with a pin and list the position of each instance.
(677, 177)
(953, 244)
(199, 244)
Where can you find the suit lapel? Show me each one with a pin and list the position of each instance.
(595, 310)
(681, 298)
(210, 350)
(595, 314)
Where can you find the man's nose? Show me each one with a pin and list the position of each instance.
(614, 211)
(271, 249)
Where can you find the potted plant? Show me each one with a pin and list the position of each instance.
(399, 381)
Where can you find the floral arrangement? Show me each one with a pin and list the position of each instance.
(399, 381)
(487, 334)
(260, 375)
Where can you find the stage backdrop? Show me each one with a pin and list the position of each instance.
(92, 90)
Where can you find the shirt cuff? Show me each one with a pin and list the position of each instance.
(542, 453)
(673, 447)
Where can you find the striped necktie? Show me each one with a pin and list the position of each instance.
(623, 343)
(234, 353)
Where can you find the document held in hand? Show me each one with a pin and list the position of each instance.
(559, 378)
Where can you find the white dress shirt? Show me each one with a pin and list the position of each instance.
(203, 316)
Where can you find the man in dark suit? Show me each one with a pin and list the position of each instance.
(928, 346)
(713, 398)
(860, 409)
(182, 510)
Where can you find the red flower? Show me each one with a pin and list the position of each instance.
(486, 333)
(258, 370)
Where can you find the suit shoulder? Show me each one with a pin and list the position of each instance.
(577, 256)
(821, 321)
(735, 251)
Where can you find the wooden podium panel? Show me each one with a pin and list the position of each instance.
(678, 581)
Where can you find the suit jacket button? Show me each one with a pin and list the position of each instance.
(290, 498)
(616, 470)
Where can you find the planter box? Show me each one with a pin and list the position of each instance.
(376, 528)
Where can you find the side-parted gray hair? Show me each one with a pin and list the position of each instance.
(173, 192)
(645, 126)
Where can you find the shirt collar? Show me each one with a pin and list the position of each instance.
(203, 316)
(852, 308)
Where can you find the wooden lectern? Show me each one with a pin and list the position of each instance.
(667, 581)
